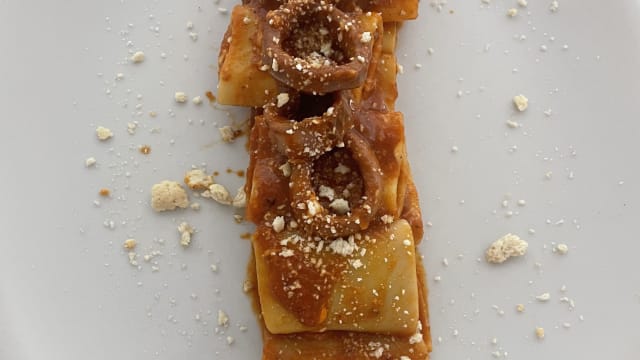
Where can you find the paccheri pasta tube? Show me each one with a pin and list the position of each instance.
(329, 187)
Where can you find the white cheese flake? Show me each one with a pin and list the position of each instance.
(282, 99)
(278, 224)
(90, 161)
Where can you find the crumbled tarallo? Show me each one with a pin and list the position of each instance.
(521, 102)
(539, 333)
(137, 57)
(507, 246)
(168, 195)
(218, 193)
(180, 97)
(103, 133)
(129, 244)
(227, 133)
(197, 179)
(223, 318)
(185, 230)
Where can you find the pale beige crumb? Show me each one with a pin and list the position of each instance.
(197, 100)
(539, 332)
(223, 318)
(247, 286)
(132, 258)
(522, 3)
(90, 161)
(198, 180)
(185, 230)
(103, 133)
(214, 268)
(521, 102)
(240, 200)
(218, 193)
(520, 308)
(168, 195)
(129, 244)
(507, 246)
(137, 57)
(562, 249)
(544, 297)
(195, 206)
(180, 97)
(554, 6)
(230, 340)
(228, 133)
(513, 12)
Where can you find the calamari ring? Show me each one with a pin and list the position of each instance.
(315, 47)
(314, 135)
(310, 213)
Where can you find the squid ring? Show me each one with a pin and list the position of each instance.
(308, 210)
(315, 47)
(312, 136)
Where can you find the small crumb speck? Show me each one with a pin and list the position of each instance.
(137, 57)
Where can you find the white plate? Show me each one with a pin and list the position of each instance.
(67, 290)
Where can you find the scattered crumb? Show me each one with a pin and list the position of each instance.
(104, 192)
(513, 124)
(90, 161)
(554, 6)
(223, 319)
(214, 267)
(103, 133)
(340, 206)
(228, 133)
(543, 297)
(198, 180)
(240, 200)
(168, 195)
(522, 3)
(521, 102)
(504, 248)
(218, 193)
(522, 203)
(513, 12)
(186, 231)
(562, 249)
(195, 206)
(180, 97)
(132, 258)
(548, 175)
(540, 333)
(193, 35)
(197, 100)
(130, 244)
(137, 57)
(520, 308)
(230, 340)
